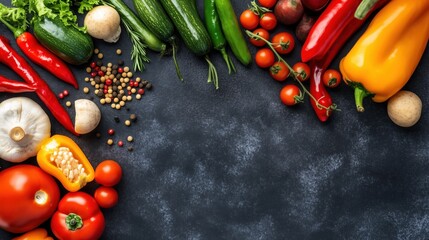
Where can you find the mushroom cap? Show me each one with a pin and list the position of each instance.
(103, 22)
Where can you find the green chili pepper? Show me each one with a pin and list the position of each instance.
(214, 28)
(232, 31)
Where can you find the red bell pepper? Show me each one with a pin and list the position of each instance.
(28, 198)
(78, 218)
(17, 63)
(32, 48)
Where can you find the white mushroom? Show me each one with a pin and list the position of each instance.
(87, 117)
(103, 22)
(23, 126)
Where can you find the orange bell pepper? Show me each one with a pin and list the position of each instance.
(386, 55)
(61, 157)
(35, 234)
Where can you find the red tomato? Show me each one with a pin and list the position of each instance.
(279, 71)
(262, 33)
(264, 58)
(283, 42)
(249, 20)
(108, 173)
(29, 196)
(268, 21)
(290, 95)
(267, 3)
(106, 197)
(302, 71)
(78, 217)
(331, 78)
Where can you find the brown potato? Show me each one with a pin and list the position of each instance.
(404, 108)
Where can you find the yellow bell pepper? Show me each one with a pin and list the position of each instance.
(61, 157)
(35, 234)
(386, 55)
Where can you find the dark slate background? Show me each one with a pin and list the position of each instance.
(237, 164)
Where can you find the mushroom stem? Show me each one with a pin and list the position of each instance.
(17, 134)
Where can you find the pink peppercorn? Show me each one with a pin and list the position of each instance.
(120, 143)
(65, 93)
(61, 95)
(140, 91)
(111, 131)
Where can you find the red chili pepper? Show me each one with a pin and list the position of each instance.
(323, 107)
(14, 19)
(335, 20)
(17, 63)
(328, 35)
(45, 58)
(13, 86)
(78, 217)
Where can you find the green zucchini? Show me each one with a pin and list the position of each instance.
(189, 25)
(131, 19)
(155, 18)
(192, 31)
(67, 42)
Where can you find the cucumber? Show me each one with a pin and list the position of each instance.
(189, 25)
(155, 18)
(67, 42)
(128, 16)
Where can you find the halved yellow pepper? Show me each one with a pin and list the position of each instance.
(386, 55)
(61, 157)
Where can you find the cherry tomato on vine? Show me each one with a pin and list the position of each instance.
(290, 95)
(331, 78)
(264, 58)
(249, 19)
(106, 197)
(108, 173)
(268, 21)
(279, 71)
(267, 3)
(262, 33)
(283, 42)
(302, 70)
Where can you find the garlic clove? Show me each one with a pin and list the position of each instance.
(87, 116)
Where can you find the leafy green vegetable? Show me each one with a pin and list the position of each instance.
(14, 18)
(51, 9)
(87, 5)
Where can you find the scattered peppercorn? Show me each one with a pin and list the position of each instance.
(109, 141)
(127, 122)
(120, 143)
(65, 93)
(116, 118)
(110, 131)
(133, 117)
(130, 138)
(118, 51)
(130, 149)
(68, 104)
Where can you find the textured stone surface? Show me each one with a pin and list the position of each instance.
(237, 164)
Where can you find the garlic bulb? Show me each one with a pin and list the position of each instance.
(23, 126)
